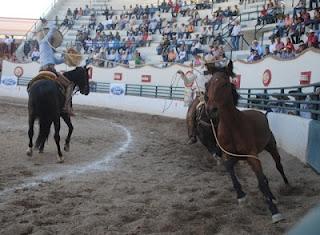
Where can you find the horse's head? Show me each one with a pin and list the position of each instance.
(219, 90)
(80, 77)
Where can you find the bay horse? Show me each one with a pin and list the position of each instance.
(46, 101)
(242, 132)
(204, 128)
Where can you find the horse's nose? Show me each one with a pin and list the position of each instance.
(211, 111)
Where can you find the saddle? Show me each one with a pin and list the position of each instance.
(61, 80)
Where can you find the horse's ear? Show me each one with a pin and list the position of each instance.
(210, 67)
(229, 69)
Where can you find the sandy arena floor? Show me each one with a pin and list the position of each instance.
(129, 173)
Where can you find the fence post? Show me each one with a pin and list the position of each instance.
(126, 89)
(140, 90)
(156, 91)
(265, 99)
(298, 105)
(249, 95)
(170, 92)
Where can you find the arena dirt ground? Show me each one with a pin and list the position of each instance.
(130, 173)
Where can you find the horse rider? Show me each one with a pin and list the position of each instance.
(48, 60)
(200, 78)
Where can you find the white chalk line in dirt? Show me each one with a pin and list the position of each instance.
(96, 166)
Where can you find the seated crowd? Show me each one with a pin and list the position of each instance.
(291, 35)
(186, 31)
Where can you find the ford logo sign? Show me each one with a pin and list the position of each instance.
(9, 82)
(117, 90)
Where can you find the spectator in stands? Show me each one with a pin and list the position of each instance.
(35, 56)
(235, 35)
(86, 10)
(111, 58)
(262, 16)
(302, 46)
(172, 55)
(196, 48)
(254, 56)
(69, 12)
(76, 14)
(92, 21)
(287, 53)
(289, 45)
(278, 46)
(299, 96)
(312, 39)
(311, 4)
(315, 21)
(266, 51)
(182, 55)
(299, 7)
(217, 20)
(100, 28)
(138, 59)
(256, 47)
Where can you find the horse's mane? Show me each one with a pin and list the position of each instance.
(74, 74)
(235, 94)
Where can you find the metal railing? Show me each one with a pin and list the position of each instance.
(303, 101)
(296, 100)
(164, 92)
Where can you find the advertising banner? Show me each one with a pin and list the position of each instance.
(9, 81)
(117, 89)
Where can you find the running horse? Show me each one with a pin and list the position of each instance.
(245, 133)
(46, 101)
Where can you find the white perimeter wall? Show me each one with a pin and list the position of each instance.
(283, 74)
(291, 132)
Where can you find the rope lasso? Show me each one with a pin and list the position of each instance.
(217, 140)
(225, 151)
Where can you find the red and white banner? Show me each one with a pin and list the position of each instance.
(117, 76)
(305, 78)
(145, 78)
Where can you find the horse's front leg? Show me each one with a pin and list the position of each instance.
(67, 120)
(229, 163)
(30, 134)
(264, 188)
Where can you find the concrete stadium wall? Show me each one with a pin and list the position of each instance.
(298, 136)
(291, 133)
(284, 74)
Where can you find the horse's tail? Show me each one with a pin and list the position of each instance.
(45, 122)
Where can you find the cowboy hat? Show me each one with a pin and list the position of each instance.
(72, 57)
(56, 39)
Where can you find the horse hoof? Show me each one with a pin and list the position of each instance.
(29, 152)
(217, 159)
(277, 217)
(66, 148)
(40, 151)
(275, 201)
(242, 201)
(60, 159)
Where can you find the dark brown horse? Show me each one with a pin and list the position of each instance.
(242, 132)
(46, 102)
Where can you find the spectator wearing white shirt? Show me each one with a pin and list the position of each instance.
(35, 55)
(235, 35)
(182, 55)
(111, 58)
